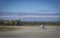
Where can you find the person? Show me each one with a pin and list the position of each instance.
(42, 26)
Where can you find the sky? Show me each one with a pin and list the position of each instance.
(30, 6)
(26, 6)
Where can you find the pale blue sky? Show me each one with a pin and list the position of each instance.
(45, 7)
(29, 6)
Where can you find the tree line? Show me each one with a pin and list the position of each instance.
(10, 22)
(22, 23)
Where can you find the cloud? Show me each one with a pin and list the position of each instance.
(29, 16)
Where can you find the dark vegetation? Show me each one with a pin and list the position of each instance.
(22, 23)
